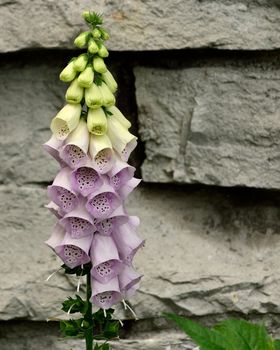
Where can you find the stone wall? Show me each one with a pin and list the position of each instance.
(200, 80)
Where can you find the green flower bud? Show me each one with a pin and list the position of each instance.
(110, 81)
(93, 97)
(92, 46)
(104, 34)
(108, 97)
(85, 79)
(74, 93)
(68, 73)
(97, 121)
(102, 51)
(96, 33)
(81, 62)
(99, 65)
(86, 15)
(81, 39)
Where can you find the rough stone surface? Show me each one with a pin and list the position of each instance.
(144, 24)
(208, 253)
(214, 122)
(45, 336)
(30, 96)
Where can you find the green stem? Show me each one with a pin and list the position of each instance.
(88, 316)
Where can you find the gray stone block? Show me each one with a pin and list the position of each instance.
(30, 97)
(144, 25)
(214, 122)
(208, 253)
(33, 336)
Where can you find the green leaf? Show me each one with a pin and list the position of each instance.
(111, 329)
(276, 344)
(244, 335)
(207, 339)
(74, 305)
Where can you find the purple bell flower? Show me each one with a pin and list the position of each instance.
(103, 202)
(128, 187)
(128, 278)
(52, 146)
(74, 252)
(127, 241)
(74, 151)
(102, 153)
(106, 295)
(61, 191)
(120, 174)
(112, 222)
(56, 237)
(78, 222)
(105, 258)
(86, 180)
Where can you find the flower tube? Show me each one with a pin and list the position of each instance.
(57, 237)
(104, 34)
(74, 151)
(128, 278)
(80, 62)
(111, 224)
(105, 258)
(127, 240)
(103, 202)
(108, 78)
(96, 33)
(92, 46)
(93, 97)
(96, 121)
(99, 65)
(52, 146)
(74, 93)
(105, 295)
(78, 222)
(102, 51)
(68, 73)
(120, 173)
(85, 79)
(122, 140)
(61, 192)
(74, 252)
(117, 114)
(101, 152)
(82, 39)
(86, 180)
(66, 120)
(107, 96)
(128, 187)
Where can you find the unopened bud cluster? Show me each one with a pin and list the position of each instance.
(92, 143)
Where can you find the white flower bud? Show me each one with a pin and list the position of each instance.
(99, 65)
(74, 93)
(110, 81)
(68, 73)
